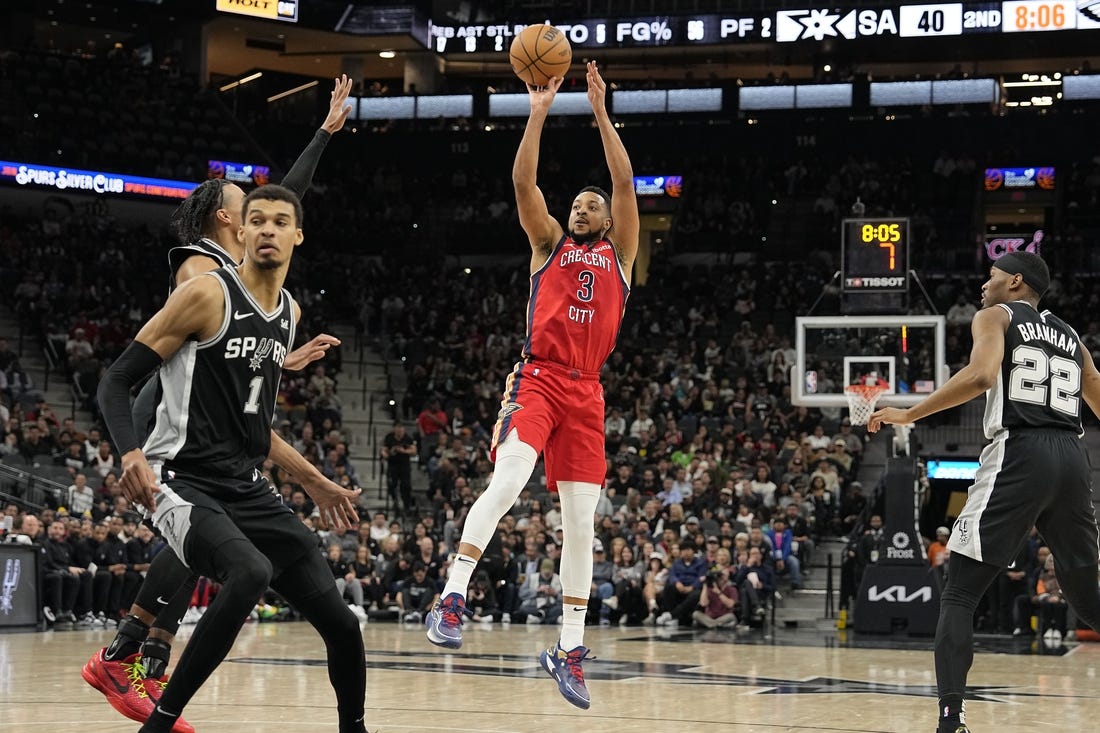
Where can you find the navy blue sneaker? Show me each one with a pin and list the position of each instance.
(444, 621)
(565, 668)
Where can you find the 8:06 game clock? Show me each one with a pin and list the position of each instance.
(875, 255)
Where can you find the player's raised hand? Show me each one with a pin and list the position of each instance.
(597, 87)
(543, 97)
(303, 356)
(338, 110)
(138, 482)
(888, 416)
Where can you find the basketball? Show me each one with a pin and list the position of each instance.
(540, 52)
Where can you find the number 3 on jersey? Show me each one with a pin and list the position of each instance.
(252, 406)
(587, 278)
(1026, 382)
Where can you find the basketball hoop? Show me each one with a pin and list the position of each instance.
(861, 401)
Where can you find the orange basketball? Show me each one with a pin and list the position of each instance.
(540, 52)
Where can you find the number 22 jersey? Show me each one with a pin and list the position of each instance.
(1039, 384)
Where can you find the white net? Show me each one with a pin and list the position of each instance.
(861, 401)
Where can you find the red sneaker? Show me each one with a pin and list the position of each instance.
(126, 688)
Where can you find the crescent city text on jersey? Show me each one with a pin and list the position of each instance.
(586, 257)
(256, 350)
(591, 258)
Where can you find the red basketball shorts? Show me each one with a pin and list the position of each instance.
(559, 412)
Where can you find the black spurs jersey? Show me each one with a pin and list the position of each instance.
(204, 246)
(1039, 385)
(149, 395)
(218, 396)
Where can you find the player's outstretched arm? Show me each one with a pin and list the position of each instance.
(196, 309)
(336, 503)
(626, 222)
(543, 231)
(988, 329)
(300, 175)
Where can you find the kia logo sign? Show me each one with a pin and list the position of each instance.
(899, 594)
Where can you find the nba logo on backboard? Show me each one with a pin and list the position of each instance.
(811, 382)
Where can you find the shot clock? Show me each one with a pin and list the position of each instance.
(875, 255)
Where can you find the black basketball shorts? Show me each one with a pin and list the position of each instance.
(255, 511)
(1029, 477)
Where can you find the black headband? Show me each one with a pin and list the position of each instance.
(1029, 266)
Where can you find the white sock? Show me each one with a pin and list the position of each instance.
(572, 626)
(461, 570)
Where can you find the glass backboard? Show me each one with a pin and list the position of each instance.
(903, 353)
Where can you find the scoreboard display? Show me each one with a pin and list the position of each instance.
(831, 21)
(874, 255)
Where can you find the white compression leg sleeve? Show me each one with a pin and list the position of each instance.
(578, 510)
(515, 463)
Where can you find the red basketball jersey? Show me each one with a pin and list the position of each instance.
(576, 306)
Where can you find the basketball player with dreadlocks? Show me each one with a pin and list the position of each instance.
(130, 671)
(1035, 471)
(553, 402)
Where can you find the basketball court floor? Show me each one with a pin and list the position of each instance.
(645, 679)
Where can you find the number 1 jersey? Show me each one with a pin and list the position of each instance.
(576, 306)
(218, 396)
(1039, 385)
